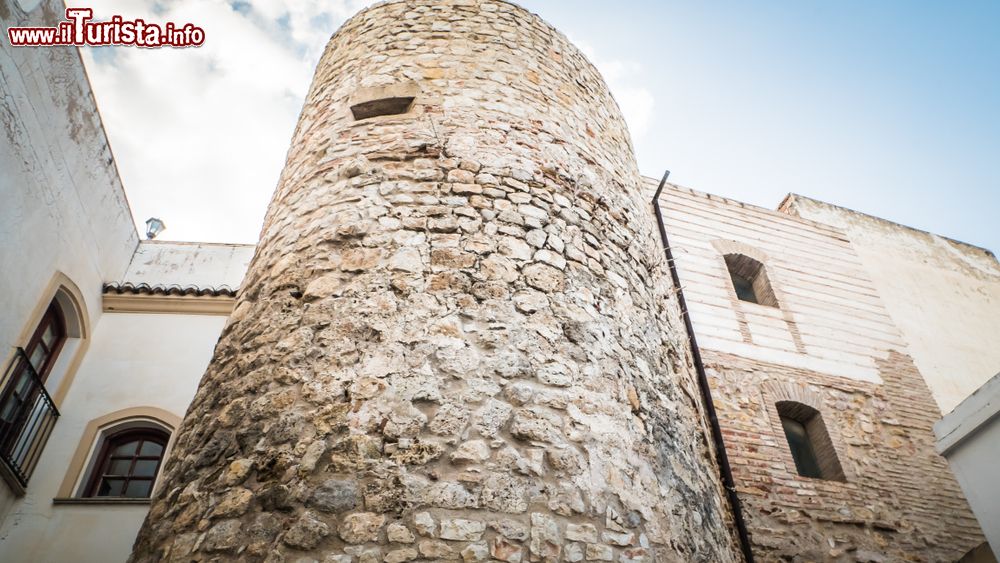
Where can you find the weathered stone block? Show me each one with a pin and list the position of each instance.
(224, 535)
(475, 552)
(459, 529)
(234, 503)
(600, 552)
(306, 532)
(335, 495)
(425, 524)
(586, 533)
(361, 527)
(399, 533)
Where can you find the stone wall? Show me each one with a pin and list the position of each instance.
(458, 338)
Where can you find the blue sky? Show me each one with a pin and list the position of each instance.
(891, 108)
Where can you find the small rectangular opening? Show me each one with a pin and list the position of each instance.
(382, 106)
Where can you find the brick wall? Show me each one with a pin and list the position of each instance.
(900, 500)
(831, 345)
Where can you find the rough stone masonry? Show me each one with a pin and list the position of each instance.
(458, 339)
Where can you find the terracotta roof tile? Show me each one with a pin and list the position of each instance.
(162, 289)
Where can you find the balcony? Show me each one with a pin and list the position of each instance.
(27, 415)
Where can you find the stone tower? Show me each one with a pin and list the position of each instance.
(458, 339)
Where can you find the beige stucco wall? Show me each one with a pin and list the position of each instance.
(65, 221)
(151, 360)
(133, 360)
(942, 294)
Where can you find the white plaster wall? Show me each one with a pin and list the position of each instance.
(975, 466)
(969, 437)
(189, 263)
(134, 360)
(942, 294)
(64, 210)
(63, 206)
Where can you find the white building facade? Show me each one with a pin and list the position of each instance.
(103, 337)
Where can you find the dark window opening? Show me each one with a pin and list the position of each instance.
(809, 442)
(382, 106)
(744, 288)
(802, 451)
(128, 464)
(750, 280)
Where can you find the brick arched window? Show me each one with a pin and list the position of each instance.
(809, 442)
(128, 463)
(750, 280)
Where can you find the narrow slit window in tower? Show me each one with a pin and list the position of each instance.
(383, 106)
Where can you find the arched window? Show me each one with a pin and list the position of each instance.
(809, 442)
(750, 280)
(27, 413)
(128, 463)
(40, 354)
(45, 343)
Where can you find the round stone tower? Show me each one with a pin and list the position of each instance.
(458, 338)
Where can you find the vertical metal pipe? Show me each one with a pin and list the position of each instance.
(706, 393)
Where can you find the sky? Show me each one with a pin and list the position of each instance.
(890, 107)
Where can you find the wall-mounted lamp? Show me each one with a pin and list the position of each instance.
(154, 227)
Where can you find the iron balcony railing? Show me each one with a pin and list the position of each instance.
(27, 415)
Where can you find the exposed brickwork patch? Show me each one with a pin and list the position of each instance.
(899, 501)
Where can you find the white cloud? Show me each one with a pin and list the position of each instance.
(624, 78)
(200, 134)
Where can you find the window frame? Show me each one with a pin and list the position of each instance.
(20, 393)
(80, 468)
(102, 462)
(53, 317)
